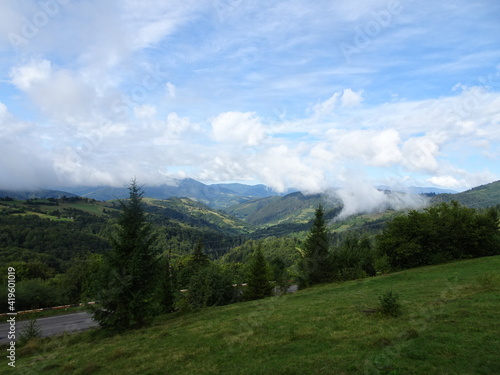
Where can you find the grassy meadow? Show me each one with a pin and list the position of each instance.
(449, 325)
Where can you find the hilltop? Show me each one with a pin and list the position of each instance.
(449, 326)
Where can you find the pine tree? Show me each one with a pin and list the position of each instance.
(129, 269)
(315, 263)
(199, 258)
(258, 277)
(166, 288)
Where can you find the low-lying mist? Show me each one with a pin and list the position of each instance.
(363, 199)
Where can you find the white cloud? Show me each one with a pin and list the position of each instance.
(98, 79)
(445, 181)
(35, 72)
(348, 98)
(171, 92)
(238, 128)
(420, 154)
(378, 148)
(176, 129)
(362, 198)
(60, 94)
(145, 111)
(351, 98)
(281, 167)
(326, 107)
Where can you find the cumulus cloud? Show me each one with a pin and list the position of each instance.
(238, 128)
(378, 148)
(281, 168)
(347, 98)
(59, 93)
(351, 98)
(97, 87)
(420, 154)
(176, 128)
(35, 72)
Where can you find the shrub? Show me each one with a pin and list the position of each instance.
(30, 332)
(389, 304)
(182, 305)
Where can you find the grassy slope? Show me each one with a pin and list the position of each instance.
(449, 326)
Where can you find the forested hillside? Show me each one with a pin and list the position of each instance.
(55, 231)
(483, 196)
(291, 208)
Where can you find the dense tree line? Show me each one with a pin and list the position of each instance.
(437, 234)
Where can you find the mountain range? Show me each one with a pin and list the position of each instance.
(217, 196)
(257, 204)
(184, 220)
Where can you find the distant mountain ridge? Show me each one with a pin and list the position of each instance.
(34, 194)
(418, 190)
(257, 204)
(217, 196)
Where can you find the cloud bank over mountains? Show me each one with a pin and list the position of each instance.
(94, 93)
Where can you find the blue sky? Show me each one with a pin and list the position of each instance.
(289, 93)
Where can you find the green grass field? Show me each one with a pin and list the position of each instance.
(449, 325)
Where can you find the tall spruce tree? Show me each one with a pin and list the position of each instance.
(166, 287)
(258, 277)
(127, 285)
(199, 258)
(315, 263)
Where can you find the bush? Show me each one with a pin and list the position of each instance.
(182, 305)
(382, 264)
(389, 304)
(30, 332)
